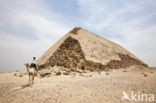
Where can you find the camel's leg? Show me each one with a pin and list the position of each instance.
(35, 73)
(33, 78)
(37, 70)
(29, 78)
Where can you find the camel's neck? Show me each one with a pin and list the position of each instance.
(28, 69)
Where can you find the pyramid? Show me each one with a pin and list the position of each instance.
(82, 49)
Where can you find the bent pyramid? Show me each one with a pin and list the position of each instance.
(85, 50)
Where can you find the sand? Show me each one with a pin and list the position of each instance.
(90, 87)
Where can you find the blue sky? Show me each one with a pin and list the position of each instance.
(29, 27)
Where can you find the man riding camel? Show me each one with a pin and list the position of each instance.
(32, 70)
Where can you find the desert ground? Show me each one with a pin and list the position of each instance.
(90, 87)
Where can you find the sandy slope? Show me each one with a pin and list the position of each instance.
(78, 89)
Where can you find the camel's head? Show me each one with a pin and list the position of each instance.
(27, 64)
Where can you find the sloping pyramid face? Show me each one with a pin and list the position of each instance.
(85, 50)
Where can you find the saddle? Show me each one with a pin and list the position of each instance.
(33, 65)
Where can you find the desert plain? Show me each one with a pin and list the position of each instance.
(88, 87)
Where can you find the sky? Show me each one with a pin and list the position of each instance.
(29, 27)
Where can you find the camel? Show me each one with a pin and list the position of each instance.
(32, 72)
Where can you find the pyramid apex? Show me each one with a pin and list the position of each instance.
(75, 30)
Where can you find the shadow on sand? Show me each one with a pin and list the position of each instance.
(22, 87)
(25, 86)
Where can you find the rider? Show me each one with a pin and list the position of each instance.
(34, 63)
